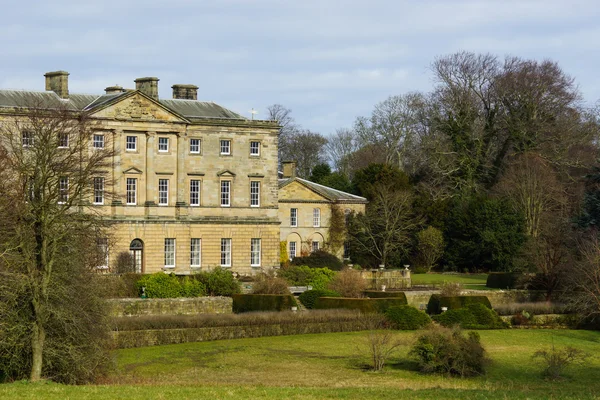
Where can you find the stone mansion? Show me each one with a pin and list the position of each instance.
(196, 184)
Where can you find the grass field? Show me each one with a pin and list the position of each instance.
(327, 366)
(469, 281)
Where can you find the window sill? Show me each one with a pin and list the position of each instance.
(98, 204)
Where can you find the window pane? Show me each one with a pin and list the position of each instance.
(225, 146)
(194, 145)
(131, 190)
(163, 192)
(169, 252)
(254, 193)
(195, 255)
(98, 190)
(63, 140)
(194, 192)
(315, 246)
(103, 253)
(98, 141)
(226, 252)
(316, 217)
(225, 193)
(254, 148)
(131, 143)
(294, 217)
(63, 190)
(163, 144)
(255, 252)
(292, 250)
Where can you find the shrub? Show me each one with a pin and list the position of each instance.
(436, 302)
(119, 286)
(219, 282)
(407, 318)
(270, 284)
(304, 275)
(381, 345)
(124, 263)
(319, 259)
(376, 294)
(555, 361)
(283, 254)
(163, 286)
(348, 283)
(451, 289)
(474, 316)
(502, 280)
(263, 302)
(309, 297)
(449, 351)
(364, 305)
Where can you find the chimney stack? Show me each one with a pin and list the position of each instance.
(148, 86)
(114, 89)
(289, 169)
(58, 82)
(185, 92)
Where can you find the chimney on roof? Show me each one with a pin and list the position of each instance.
(148, 86)
(114, 89)
(58, 82)
(289, 169)
(185, 92)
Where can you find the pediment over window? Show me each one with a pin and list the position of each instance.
(225, 172)
(133, 170)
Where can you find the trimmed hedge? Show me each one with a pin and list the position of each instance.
(474, 316)
(407, 318)
(309, 297)
(502, 280)
(263, 302)
(377, 294)
(436, 302)
(165, 286)
(320, 259)
(364, 305)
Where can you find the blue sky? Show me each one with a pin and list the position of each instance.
(329, 61)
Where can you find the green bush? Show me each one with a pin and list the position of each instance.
(320, 259)
(165, 286)
(309, 297)
(407, 318)
(304, 275)
(219, 282)
(436, 302)
(263, 302)
(474, 316)
(502, 280)
(377, 294)
(364, 305)
(448, 351)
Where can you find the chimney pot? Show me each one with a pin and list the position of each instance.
(58, 82)
(114, 89)
(148, 86)
(289, 169)
(186, 92)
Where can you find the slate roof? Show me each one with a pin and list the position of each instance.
(330, 194)
(80, 102)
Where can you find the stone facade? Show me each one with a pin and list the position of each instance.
(313, 205)
(161, 149)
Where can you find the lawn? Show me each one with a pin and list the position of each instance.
(327, 366)
(470, 281)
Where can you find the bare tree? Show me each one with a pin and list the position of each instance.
(283, 116)
(386, 226)
(49, 244)
(584, 279)
(340, 146)
(307, 149)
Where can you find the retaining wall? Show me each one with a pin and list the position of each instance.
(183, 306)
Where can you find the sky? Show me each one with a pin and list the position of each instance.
(328, 61)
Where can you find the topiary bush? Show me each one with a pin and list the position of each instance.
(407, 318)
(164, 286)
(219, 282)
(502, 280)
(449, 351)
(436, 302)
(304, 275)
(364, 305)
(474, 316)
(320, 259)
(263, 302)
(309, 297)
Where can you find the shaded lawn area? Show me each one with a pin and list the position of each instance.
(436, 279)
(328, 366)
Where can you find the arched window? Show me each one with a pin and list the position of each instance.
(136, 249)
